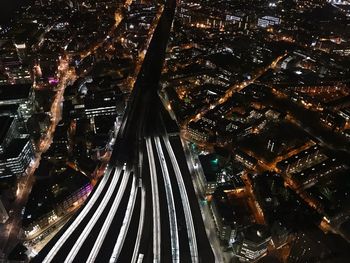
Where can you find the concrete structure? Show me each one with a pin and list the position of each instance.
(15, 160)
(3, 213)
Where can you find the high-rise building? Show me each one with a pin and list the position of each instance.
(8, 131)
(16, 158)
(14, 94)
(254, 243)
(98, 104)
(224, 217)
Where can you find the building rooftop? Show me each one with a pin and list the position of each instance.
(257, 234)
(14, 149)
(8, 110)
(14, 92)
(210, 166)
(5, 123)
(47, 193)
(294, 158)
(225, 209)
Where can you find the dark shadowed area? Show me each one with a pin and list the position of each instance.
(8, 8)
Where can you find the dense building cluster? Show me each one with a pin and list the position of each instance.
(261, 90)
(66, 72)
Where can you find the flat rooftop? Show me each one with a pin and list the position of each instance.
(14, 92)
(14, 148)
(5, 123)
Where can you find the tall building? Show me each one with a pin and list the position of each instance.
(254, 243)
(8, 131)
(14, 94)
(16, 158)
(98, 104)
(224, 217)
